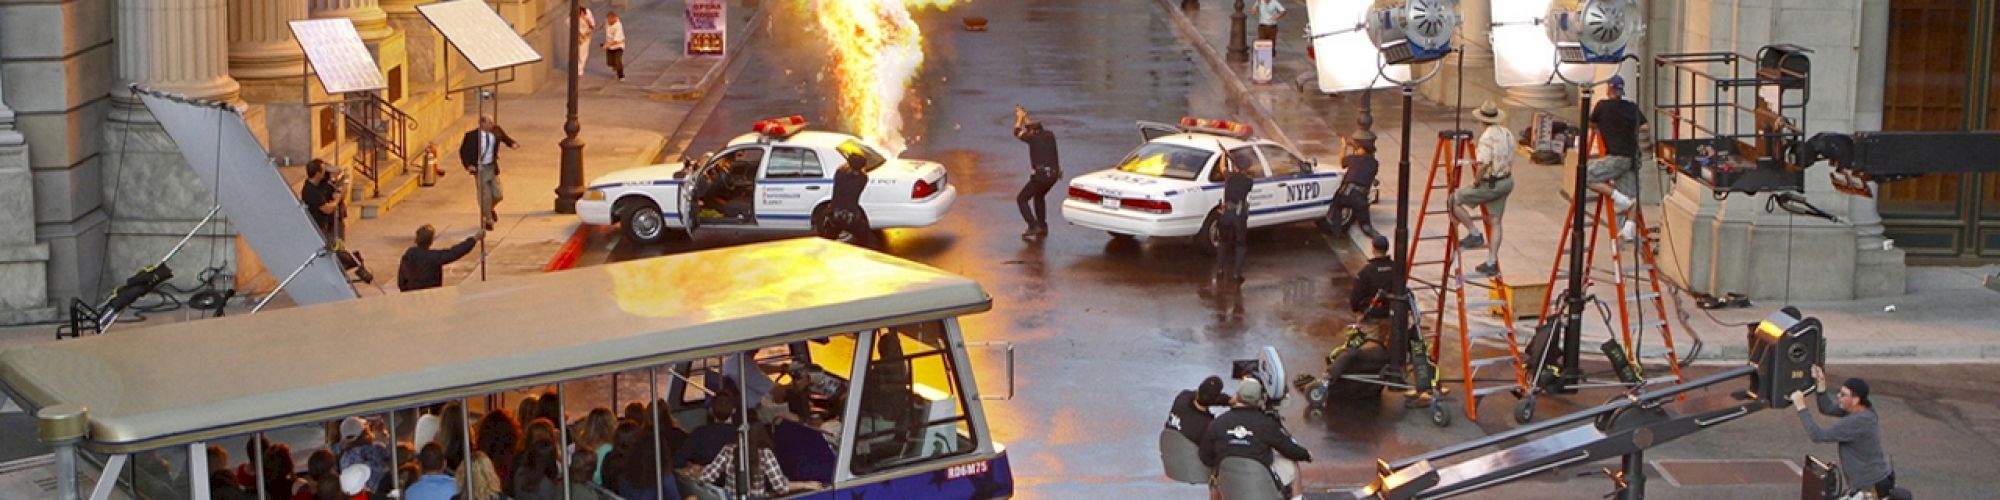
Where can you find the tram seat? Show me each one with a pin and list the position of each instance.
(1181, 458)
(1239, 478)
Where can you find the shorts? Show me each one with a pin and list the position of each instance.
(1493, 195)
(1621, 171)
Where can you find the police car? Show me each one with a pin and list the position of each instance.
(778, 176)
(1170, 185)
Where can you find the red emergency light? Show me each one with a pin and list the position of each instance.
(780, 127)
(1223, 127)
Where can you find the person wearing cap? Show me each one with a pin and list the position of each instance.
(354, 481)
(1047, 170)
(1247, 431)
(1350, 200)
(1616, 174)
(1494, 162)
(1191, 412)
(1858, 434)
(847, 216)
(1376, 289)
(358, 447)
(1235, 220)
(423, 267)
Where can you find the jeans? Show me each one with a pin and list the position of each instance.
(1037, 215)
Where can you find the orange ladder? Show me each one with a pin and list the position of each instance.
(1446, 176)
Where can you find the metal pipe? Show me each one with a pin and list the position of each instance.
(191, 233)
(1572, 339)
(562, 441)
(465, 440)
(288, 280)
(258, 455)
(653, 400)
(62, 426)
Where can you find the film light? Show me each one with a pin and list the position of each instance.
(1532, 38)
(1346, 58)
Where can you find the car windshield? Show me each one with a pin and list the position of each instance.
(1166, 160)
(874, 158)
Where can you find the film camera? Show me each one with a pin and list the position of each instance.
(1784, 347)
(1268, 370)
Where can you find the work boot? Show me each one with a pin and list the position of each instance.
(1488, 269)
(1475, 241)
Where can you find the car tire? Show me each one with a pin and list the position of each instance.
(1326, 222)
(1209, 239)
(642, 222)
(819, 224)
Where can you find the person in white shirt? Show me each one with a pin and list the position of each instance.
(1494, 159)
(614, 44)
(1268, 12)
(585, 28)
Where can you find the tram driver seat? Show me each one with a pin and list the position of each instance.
(1239, 478)
(1182, 458)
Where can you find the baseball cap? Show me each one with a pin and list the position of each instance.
(1250, 392)
(1381, 243)
(1616, 81)
(351, 428)
(1209, 393)
(353, 479)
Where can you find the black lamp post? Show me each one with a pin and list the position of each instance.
(570, 186)
(1238, 51)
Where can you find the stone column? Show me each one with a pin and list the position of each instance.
(24, 262)
(260, 41)
(154, 198)
(1546, 97)
(369, 19)
(1476, 34)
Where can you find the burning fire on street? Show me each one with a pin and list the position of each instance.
(877, 50)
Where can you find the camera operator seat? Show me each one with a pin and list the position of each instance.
(1182, 458)
(1239, 478)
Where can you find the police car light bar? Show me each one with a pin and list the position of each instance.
(1222, 127)
(780, 127)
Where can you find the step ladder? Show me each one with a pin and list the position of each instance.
(1447, 292)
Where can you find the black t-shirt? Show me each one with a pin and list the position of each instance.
(1361, 170)
(1041, 149)
(1378, 274)
(1248, 433)
(1186, 419)
(1618, 120)
(1236, 188)
(313, 195)
(847, 186)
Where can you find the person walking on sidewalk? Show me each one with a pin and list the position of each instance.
(1617, 173)
(422, 266)
(1234, 221)
(328, 211)
(1350, 200)
(614, 44)
(480, 152)
(1047, 170)
(1268, 12)
(1494, 162)
(586, 25)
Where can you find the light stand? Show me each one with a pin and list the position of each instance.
(570, 186)
(1572, 339)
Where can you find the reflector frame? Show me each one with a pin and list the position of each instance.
(1347, 59)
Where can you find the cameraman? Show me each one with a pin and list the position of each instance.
(321, 196)
(1858, 434)
(1247, 431)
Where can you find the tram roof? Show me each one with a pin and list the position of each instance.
(178, 383)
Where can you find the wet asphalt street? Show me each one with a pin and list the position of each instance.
(1108, 330)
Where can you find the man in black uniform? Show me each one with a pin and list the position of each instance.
(1190, 415)
(1376, 288)
(422, 266)
(1350, 200)
(1048, 170)
(1247, 431)
(321, 196)
(1235, 221)
(847, 216)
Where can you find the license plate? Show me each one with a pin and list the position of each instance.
(1110, 202)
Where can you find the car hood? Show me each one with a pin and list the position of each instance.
(1113, 183)
(644, 174)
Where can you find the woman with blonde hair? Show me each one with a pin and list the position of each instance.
(484, 484)
(594, 435)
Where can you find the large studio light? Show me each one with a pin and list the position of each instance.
(1368, 44)
(1585, 38)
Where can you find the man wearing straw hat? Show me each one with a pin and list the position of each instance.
(1494, 162)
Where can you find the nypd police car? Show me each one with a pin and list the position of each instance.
(1170, 185)
(779, 176)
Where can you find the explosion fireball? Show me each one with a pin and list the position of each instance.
(877, 50)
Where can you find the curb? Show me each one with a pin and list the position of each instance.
(565, 257)
(1186, 30)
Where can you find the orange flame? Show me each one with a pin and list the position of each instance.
(877, 50)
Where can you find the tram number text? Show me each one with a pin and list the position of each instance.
(966, 470)
(1302, 191)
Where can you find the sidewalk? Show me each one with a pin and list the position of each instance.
(1947, 316)
(624, 124)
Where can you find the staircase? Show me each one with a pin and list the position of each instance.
(383, 157)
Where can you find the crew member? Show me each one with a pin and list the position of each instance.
(1247, 431)
(1863, 463)
(1234, 222)
(1494, 162)
(1047, 170)
(1377, 288)
(328, 211)
(847, 215)
(1191, 414)
(1616, 174)
(1350, 200)
(422, 266)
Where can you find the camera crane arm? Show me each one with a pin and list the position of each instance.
(1892, 156)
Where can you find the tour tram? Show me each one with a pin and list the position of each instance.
(874, 339)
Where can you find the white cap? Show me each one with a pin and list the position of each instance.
(353, 479)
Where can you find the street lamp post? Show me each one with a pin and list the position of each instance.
(570, 187)
(1238, 51)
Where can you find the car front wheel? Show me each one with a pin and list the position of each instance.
(1209, 239)
(642, 222)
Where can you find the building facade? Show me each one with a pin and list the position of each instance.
(93, 190)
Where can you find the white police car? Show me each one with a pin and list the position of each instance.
(779, 176)
(1169, 186)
